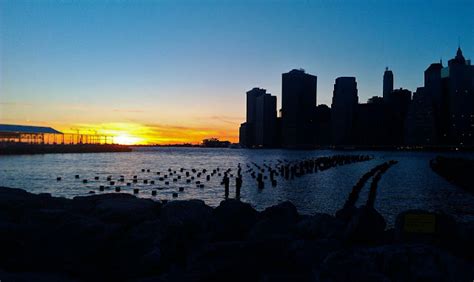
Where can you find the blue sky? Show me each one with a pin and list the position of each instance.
(190, 62)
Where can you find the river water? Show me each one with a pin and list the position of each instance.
(407, 185)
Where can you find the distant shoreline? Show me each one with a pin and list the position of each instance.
(31, 149)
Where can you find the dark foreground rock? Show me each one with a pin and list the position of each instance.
(117, 237)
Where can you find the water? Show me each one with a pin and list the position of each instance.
(407, 185)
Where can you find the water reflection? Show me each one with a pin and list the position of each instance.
(409, 184)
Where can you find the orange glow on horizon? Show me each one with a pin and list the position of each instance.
(139, 134)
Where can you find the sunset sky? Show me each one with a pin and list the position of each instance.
(177, 71)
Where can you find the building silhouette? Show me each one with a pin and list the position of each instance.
(266, 121)
(420, 126)
(451, 92)
(370, 123)
(458, 80)
(387, 84)
(343, 110)
(297, 112)
(260, 126)
(441, 113)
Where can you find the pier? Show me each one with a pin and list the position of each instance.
(21, 139)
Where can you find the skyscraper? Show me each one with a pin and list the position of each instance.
(298, 105)
(260, 126)
(343, 109)
(247, 129)
(266, 121)
(387, 84)
(458, 79)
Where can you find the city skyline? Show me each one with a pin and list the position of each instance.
(85, 67)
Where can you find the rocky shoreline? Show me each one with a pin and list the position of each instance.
(118, 237)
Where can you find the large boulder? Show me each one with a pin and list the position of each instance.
(275, 223)
(398, 263)
(284, 211)
(186, 225)
(194, 214)
(310, 253)
(349, 265)
(233, 219)
(365, 226)
(117, 208)
(320, 225)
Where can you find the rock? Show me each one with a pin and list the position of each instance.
(415, 262)
(186, 226)
(349, 265)
(320, 226)
(233, 219)
(309, 253)
(285, 211)
(345, 214)
(399, 263)
(366, 226)
(192, 213)
(121, 208)
(222, 261)
(275, 223)
(36, 276)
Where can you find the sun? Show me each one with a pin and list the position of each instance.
(125, 139)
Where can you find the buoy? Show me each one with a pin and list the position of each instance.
(175, 195)
(143, 170)
(175, 179)
(161, 179)
(147, 170)
(101, 188)
(77, 176)
(112, 182)
(145, 181)
(181, 189)
(84, 181)
(135, 191)
(129, 184)
(167, 183)
(134, 177)
(117, 189)
(58, 178)
(152, 182)
(135, 180)
(201, 186)
(153, 193)
(96, 178)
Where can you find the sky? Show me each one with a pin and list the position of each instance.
(177, 71)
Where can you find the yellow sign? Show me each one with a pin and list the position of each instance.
(420, 223)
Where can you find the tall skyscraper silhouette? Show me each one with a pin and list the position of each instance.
(260, 126)
(343, 109)
(298, 106)
(266, 121)
(458, 79)
(387, 84)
